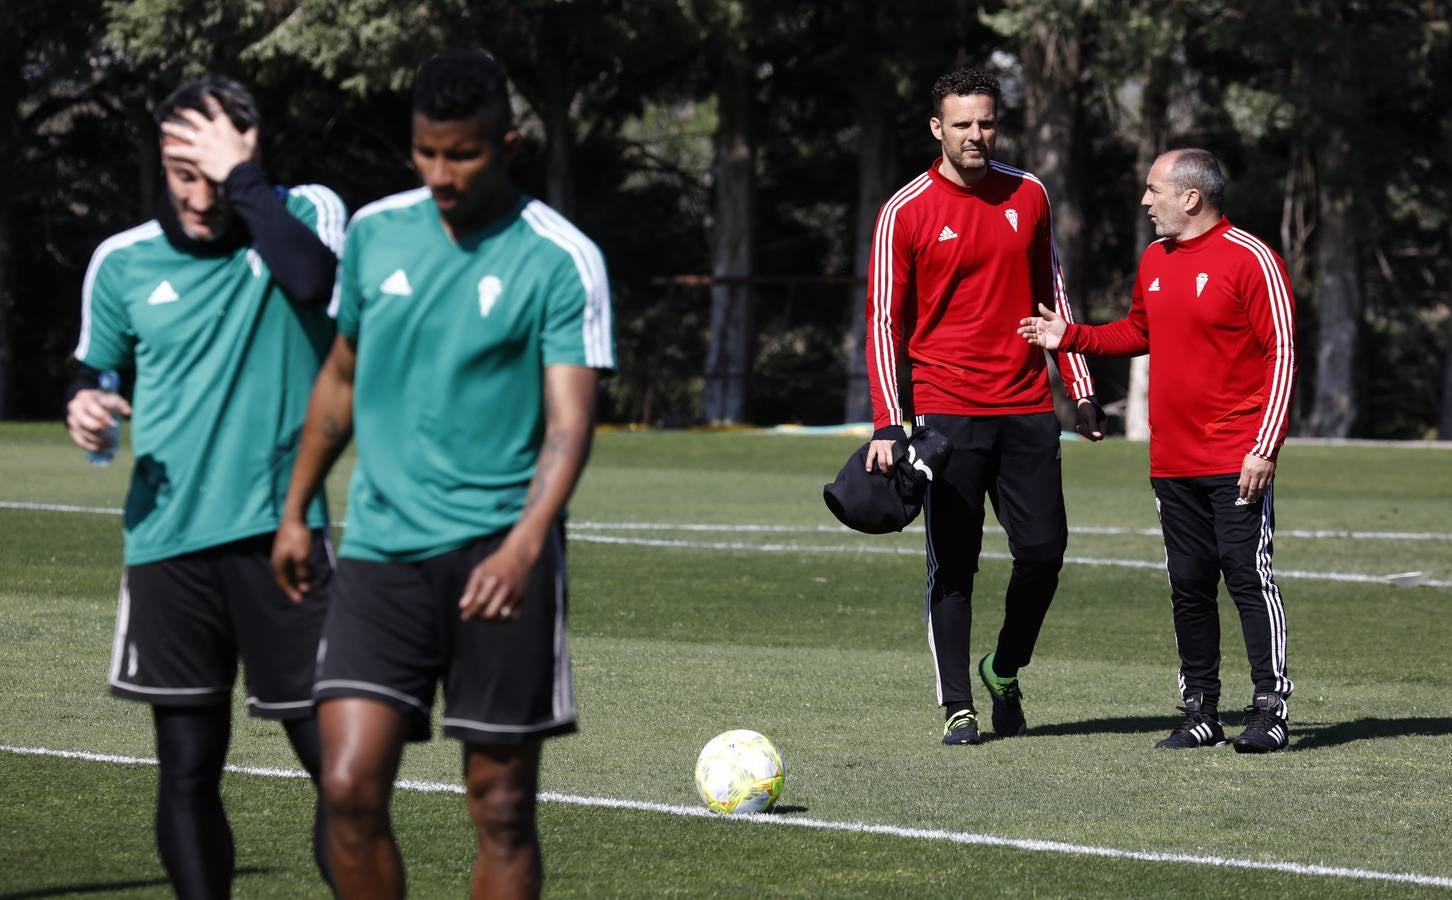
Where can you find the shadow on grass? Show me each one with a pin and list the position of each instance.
(1122, 725)
(786, 808)
(108, 888)
(1304, 736)
(1315, 736)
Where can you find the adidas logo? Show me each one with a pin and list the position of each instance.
(396, 284)
(164, 293)
(1154, 285)
(947, 234)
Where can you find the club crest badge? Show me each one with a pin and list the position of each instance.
(1012, 216)
(489, 291)
(1200, 283)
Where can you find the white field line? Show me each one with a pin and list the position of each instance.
(1406, 579)
(1318, 534)
(59, 507)
(788, 821)
(1073, 529)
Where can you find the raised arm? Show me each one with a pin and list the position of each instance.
(301, 260)
(497, 585)
(326, 432)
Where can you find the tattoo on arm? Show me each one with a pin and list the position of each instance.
(552, 454)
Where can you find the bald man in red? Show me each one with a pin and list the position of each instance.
(1214, 303)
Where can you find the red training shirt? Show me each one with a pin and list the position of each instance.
(955, 268)
(1218, 312)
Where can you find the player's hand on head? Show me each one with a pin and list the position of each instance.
(213, 145)
(291, 550)
(89, 415)
(496, 586)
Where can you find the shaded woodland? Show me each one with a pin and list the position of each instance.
(752, 142)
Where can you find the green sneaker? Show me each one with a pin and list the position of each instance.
(1008, 718)
(961, 728)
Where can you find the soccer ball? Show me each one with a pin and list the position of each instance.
(739, 772)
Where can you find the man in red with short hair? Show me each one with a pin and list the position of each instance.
(959, 255)
(1217, 305)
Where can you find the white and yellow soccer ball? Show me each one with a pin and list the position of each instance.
(739, 772)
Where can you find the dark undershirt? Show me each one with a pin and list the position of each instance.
(300, 263)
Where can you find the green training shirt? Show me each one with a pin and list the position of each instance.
(224, 367)
(452, 341)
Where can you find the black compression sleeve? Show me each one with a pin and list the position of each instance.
(192, 833)
(86, 379)
(302, 264)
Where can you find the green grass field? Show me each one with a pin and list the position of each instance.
(765, 615)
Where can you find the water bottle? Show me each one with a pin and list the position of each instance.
(110, 383)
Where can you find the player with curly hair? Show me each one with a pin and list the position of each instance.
(474, 323)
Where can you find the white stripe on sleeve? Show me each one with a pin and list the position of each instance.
(329, 214)
(590, 266)
(1278, 401)
(110, 245)
(882, 287)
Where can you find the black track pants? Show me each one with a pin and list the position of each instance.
(1206, 535)
(1014, 460)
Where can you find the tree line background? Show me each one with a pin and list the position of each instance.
(749, 143)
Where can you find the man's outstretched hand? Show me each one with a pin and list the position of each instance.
(1044, 330)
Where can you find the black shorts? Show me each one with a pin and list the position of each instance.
(394, 631)
(182, 622)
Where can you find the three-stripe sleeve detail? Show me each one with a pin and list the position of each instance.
(1278, 401)
(110, 245)
(590, 266)
(330, 215)
(882, 299)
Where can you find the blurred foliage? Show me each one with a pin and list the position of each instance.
(616, 101)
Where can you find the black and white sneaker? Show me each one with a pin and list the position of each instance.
(1266, 728)
(1200, 728)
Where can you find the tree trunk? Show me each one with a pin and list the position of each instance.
(1052, 66)
(559, 129)
(1150, 143)
(7, 315)
(1444, 424)
(874, 177)
(1338, 293)
(728, 359)
(10, 90)
(1052, 63)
